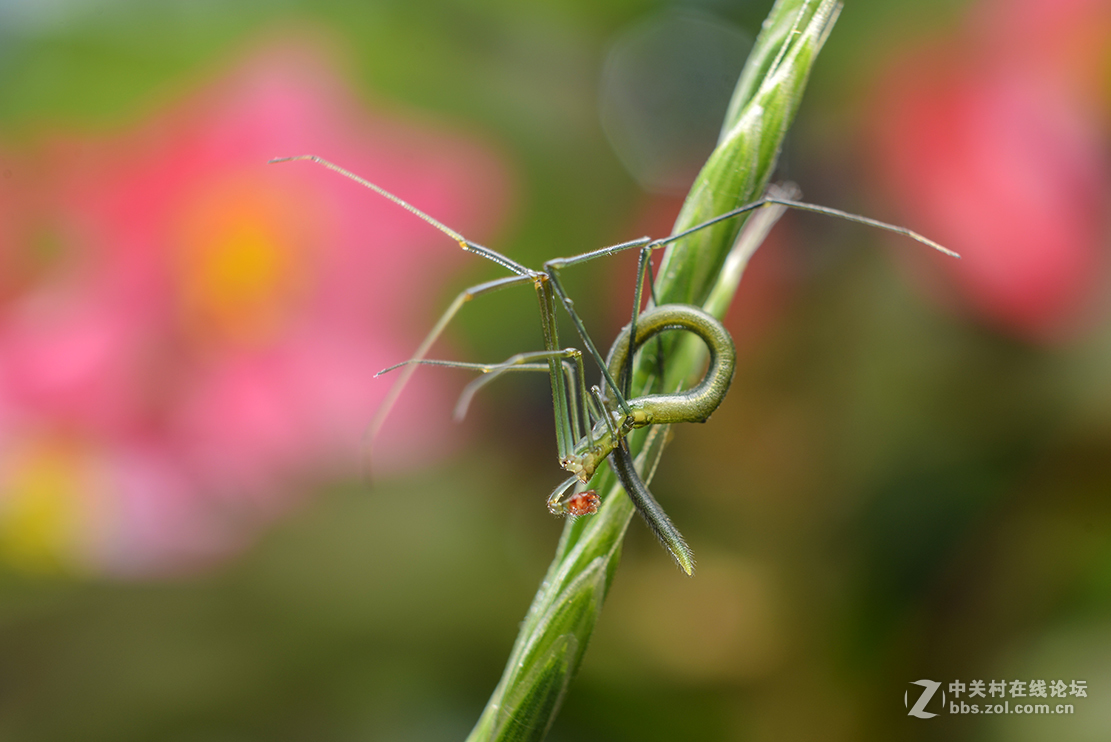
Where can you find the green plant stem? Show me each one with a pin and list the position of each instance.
(554, 635)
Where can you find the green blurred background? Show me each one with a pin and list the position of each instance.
(908, 480)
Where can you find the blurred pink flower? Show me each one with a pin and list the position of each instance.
(995, 147)
(204, 344)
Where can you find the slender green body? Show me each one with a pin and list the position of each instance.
(692, 405)
(607, 440)
(562, 413)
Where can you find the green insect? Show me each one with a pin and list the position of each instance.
(592, 424)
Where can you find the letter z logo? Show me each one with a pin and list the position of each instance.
(930, 687)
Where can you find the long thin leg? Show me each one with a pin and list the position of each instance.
(552, 268)
(410, 366)
(561, 413)
(472, 247)
(644, 262)
(573, 375)
(602, 412)
(814, 208)
(661, 371)
(487, 369)
(569, 305)
(483, 368)
(767, 200)
(520, 362)
(522, 275)
(565, 434)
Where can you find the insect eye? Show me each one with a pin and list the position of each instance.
(583, 503)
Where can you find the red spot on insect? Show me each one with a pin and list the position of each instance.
(582, 503)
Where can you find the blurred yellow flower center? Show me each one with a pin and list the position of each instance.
(41, 508)
(241, 273)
